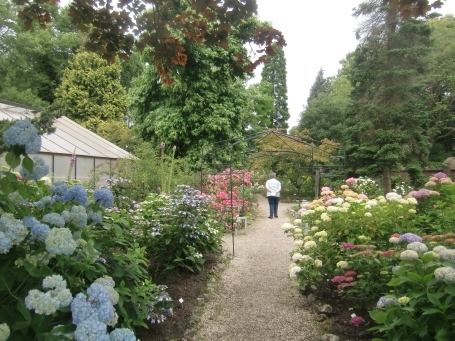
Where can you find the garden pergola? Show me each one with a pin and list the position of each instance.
(301, 157)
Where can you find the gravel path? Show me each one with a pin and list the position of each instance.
(255, 299)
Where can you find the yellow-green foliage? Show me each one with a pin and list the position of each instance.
(91, 91)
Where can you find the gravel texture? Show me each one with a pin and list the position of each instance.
(254, 299)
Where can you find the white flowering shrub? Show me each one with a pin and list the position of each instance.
(61, 261)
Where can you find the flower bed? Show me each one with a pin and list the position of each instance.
(396, 249)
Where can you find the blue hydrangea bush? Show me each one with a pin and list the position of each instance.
(179, 229)
(66, 271)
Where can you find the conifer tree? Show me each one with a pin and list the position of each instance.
(274, 72)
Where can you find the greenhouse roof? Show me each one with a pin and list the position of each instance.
(68, 138)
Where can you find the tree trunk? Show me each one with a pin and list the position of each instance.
(386, 180)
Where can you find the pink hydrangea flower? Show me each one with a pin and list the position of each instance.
(440, 175)
(351, 181)
(357, 320)
(338, 279)
(348, 246)
(350, 273)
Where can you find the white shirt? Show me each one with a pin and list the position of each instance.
(275, 186)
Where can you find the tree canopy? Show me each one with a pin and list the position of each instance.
(159, 27)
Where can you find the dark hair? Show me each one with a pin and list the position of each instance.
(272, 175)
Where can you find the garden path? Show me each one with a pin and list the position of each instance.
(255, 299)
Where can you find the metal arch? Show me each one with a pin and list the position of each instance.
(233, 143)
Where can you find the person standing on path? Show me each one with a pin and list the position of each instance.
(273, 187)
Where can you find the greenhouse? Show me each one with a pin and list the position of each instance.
(70, 141)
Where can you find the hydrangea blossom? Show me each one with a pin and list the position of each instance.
(91, 330)
(104, 197)
(325, 217)
(318, 263)
(421, 193)
(294, 271)
(309, 244)
(60, 241)
(12, 232)
(440, 175)
(48, 302)
(298, 243)
(409, 255)
(357, 320)
(23, 133)
(95, 217)
(4, 332)
(43, 202)
(448, 254)
(417, 247)
(342, 264)
(59, 189)
(386, 301)
(38, 231)
(296, 256)
(40, 169)
(76, 193)
(439, 248)
(54, 219)
(446, 274)
(122, 334)
(404, 300)
(348, 246)
(78, 216)
(409, 238)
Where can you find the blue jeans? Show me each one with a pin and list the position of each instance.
(273, 204)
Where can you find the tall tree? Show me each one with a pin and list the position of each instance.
(274, 73)
(440, 87)
(324, 117)
(162, 27)
(206, 104)
(91, 91)
(32, 62)
(387, 122)
(261, 103)
(321, 85)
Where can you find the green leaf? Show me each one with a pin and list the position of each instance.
(27, 163)
(429, 311)
(12, 159)
(20, 325)
(445, 335)
(379, 317)
(414, 276)
(24, 311)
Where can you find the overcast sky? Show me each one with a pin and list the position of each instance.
(318, 34)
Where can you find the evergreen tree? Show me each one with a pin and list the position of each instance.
(274, 72)
(386, 126)
(91, 91)
(321, 85)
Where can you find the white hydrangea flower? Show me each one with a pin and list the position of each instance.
(297, 256)
(325, 217)
(298, 243)
(309, 244)
(297, 221)
(294, 271)
(332, 209)
(342, 264)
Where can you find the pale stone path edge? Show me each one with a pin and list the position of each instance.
(254, 297)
